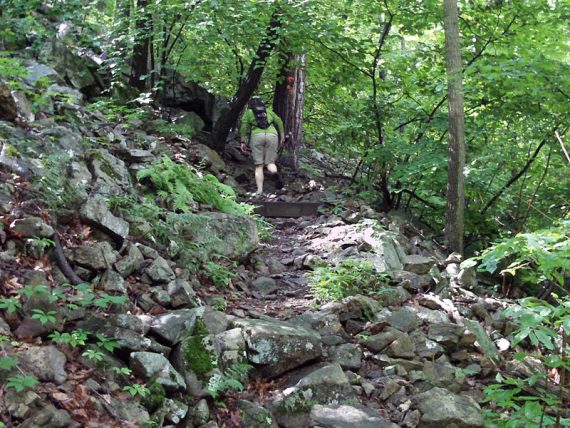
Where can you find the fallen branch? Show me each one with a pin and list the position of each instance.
(562, 145)
(63, 264)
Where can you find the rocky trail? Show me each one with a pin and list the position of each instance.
(111, 315)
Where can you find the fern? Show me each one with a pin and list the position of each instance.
(234, 378)
(180, 186)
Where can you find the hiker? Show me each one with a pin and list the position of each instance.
(264, 132)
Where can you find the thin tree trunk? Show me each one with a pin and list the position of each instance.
(141, 49)
(288, 103)
(454, 217)
(249, 84)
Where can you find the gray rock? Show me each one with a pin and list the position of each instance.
(412, 419)
(485, 342)
(174, 411)
(160, 271)
(442, 408)
(230, 347)
(349, 356)
(418, 264)
(402, 347)
(412, 281)
(448, 334)
(130, 410)
(201, 413)
(442, 374)
(274, 266)
(181, 293)
(171, 327)
(380, 341)
(345, 416)
(41, 71)
(393, 296)
(468, 278)
(20, 404)
(4, 328)
(97, 257)
(276, 346)
(214, 321)
(160, 296)
(431, 316)
(113, 282)
(264, 285)
(47, 363)
(31, 227)
(133, 341)
(208, 156)
(404, 319)
(95, 212)
(131, 262)
(110, 173)
(426, 348)
(156, 367)
(255, 416)
(65, 96)
(324, 385)
(49, 417)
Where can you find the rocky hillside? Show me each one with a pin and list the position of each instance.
(135, 290)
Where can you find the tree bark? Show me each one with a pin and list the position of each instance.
(454, 216)
(248, 85)
(141, 49)
(288, 103)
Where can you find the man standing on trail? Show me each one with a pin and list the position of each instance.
(263, 129)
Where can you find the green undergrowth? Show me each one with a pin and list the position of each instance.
(536, 395)
(179, 186)
(348, 278)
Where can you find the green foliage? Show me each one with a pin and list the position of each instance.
(122, 370)
(44, 317)
(21, 382)
(179, 185)
(75, 338)
(197, 356)
(532, 257)
(234, 378)
(8, 363)
(10, 304)
(526, 401)
(107, 343)
(93, 355)
(350, 277)
(136, 389)
(219, 274)
(155, 397)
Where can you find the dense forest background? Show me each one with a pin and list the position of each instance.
(375, 92)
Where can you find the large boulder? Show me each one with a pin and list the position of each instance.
(232, 236)
(348, 416)
(47, 363)
(157, 368)
(172, 326)
(275, 347)
(110, 173)
(442, 408)
(324, 385)
(96, 213)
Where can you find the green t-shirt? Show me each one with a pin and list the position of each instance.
(249, 125)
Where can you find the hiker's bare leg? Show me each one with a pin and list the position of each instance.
(272, 168)
(259, 178)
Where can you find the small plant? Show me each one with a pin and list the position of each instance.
(233, 378)
(11, 304)
(34, 290)
(526, 401)
(8, 363)
(136, 389)
(44, 317)
(122, 370)
(220, 275)
(107, 343)
(93, 355)
(73, 339)
(41, 243)
(350, 277)
(21, 382)
(219, 303)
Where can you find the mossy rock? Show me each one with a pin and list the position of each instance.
(156, 396)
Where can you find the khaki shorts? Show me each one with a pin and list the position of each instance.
(264, 148)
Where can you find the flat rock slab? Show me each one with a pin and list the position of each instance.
(345, 416)
(286, 209)
(441, 408)
(276, 346)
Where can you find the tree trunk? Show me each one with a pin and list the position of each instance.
(288, 103)
(454, 216)
(248, 85)
(141, 49)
